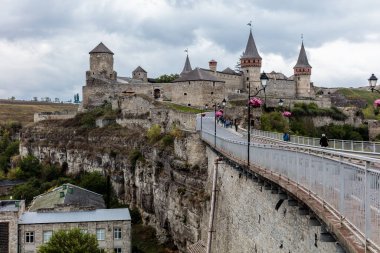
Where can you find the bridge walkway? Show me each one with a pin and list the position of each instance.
(342, 189)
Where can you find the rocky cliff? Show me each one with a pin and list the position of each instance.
(166, 182)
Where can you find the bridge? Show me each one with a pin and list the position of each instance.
(341, 188)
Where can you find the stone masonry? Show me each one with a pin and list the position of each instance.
(246, 219)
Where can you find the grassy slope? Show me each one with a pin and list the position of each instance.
(182, 108)
(23, 111)
(365, 95)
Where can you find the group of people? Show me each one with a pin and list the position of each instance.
(324, 142)
(227, 123)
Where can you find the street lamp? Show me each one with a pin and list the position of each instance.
(217, 105)
(372, 83)
(280, 102)
(202, 115)
(263, 81)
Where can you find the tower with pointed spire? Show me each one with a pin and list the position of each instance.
(101, 63)
(250, 64)
(302, 73)
(187, 67)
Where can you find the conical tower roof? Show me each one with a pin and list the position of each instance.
(187, 68)
(197, 75)
(302, 61)
(139, 69)
(101, 48)
(250, 49)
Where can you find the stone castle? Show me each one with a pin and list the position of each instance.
(199, 87)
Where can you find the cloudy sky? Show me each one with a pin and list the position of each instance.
(44, 44)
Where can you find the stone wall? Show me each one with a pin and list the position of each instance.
(373, 129)
(247, 218)
(198, 93)
(167, 117)
(53, 116)
(95, 95)
(281, 88)
(11, 217)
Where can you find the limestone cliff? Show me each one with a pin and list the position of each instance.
(167, 183)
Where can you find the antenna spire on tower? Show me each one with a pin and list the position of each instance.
(250, 24)
(302, 37)
(187, 51)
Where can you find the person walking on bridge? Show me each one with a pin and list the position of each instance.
(324, 142)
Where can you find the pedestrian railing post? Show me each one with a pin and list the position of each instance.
(341, 189)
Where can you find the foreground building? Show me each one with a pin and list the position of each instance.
(63, 208)
(112, 228)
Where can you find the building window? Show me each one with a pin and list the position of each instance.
(47, 235)
(117, 250)
(247, 78)
(100, 234)
(29, 237)
(117, 233)
(185, 94)
(212, 93)
(247, 70)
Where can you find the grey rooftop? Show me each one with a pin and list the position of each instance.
(187, 67)
(302, 61)
(71, 195)
(10, 205)
(250, 49)
(101, 48)
(229, 71)
(117, 214)
(197, 75)
(139, 69)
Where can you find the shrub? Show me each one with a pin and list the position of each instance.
(15, 173)
(273, 121)
(167, 140)
(154, 133)
(134, 156)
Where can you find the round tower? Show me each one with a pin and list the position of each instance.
(212, 65)
(250, 64)
(101, 62)
(302, 73)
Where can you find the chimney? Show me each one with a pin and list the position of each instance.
(212, 65)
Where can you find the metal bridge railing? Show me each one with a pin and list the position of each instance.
(346, 145)
(351, 190)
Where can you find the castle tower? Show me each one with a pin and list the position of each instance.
(302, 73)
(187, 68)
(101, 63)
(250, 64)
(140, 73)
(212, 65)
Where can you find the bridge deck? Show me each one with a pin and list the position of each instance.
(343, 190)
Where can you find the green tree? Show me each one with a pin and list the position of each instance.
(31, 166)
(72, 241)
(94, 181)
(167, 78)
(274, 121)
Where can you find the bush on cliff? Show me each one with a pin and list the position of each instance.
(154, 133)
(88, 119)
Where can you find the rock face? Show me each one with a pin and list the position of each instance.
(171, 186)
(166, 183)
